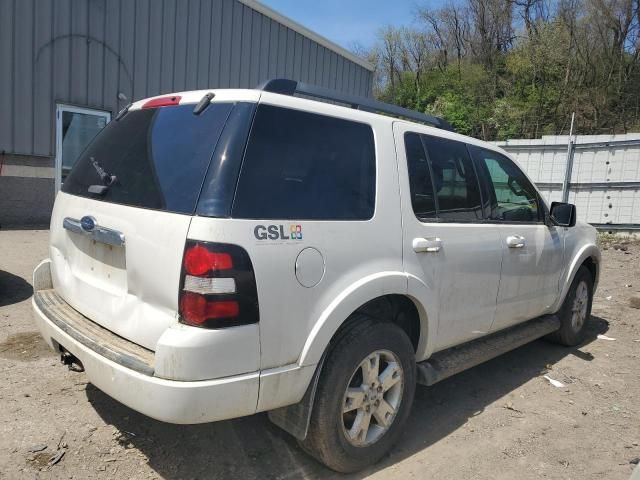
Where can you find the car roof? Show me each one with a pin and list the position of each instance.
(324, 107)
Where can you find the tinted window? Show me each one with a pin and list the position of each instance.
(159, 157)
(220, 183)
(454, 180)
(422, 196)
(300, 165)
(512, 197)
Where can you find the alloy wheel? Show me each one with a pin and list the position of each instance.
(372, 398)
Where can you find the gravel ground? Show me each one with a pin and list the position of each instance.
(501, 420)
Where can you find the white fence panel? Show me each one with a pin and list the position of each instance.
(605, 178)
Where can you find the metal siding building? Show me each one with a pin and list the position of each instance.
(88, 53)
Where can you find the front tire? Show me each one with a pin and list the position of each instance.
(364, 395)
(575, 310)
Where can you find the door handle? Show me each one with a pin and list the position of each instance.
(515, 241)
(431, 244)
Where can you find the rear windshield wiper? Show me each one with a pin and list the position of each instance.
(106, 179)
(203, 103)
(122, 112)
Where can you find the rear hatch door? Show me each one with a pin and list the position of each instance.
(120, 222)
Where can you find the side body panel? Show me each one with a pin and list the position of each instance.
(457, 286)
(361, 259)
(529, 276)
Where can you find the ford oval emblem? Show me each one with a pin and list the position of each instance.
(88, 223)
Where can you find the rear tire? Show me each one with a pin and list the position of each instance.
(575, 311)
(364, 395)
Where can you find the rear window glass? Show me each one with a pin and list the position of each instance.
(301, 165)
(159, 157)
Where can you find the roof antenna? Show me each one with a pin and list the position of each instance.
(203, 103)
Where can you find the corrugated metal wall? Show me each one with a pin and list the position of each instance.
(605, 179)
(85, 52)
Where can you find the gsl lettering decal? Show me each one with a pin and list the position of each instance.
(278, 232)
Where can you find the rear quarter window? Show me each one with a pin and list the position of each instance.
(302, 165)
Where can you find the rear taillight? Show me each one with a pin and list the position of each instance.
(199, 260)
(217, 286)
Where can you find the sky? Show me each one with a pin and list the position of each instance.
(347, 22)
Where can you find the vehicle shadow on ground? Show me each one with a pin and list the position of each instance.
(252, 448)
(13, 289)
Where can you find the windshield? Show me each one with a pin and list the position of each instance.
(158, 158)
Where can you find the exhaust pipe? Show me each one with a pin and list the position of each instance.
(70, 360)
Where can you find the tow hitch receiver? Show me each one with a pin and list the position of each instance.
(70, 361)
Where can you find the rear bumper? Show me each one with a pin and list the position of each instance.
(125, 372)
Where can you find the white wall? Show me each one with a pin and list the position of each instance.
(605, 180)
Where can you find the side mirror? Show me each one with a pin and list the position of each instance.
(563, 214)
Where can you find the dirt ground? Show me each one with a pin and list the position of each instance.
(500, 420)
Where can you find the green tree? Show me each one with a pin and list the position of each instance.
(498, 69)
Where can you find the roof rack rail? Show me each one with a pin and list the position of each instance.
(284, 86)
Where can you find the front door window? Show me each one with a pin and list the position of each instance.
(513, 197)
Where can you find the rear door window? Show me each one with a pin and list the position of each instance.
(454, 180)
(423, 198)
(455, 192)
(159, 157)
(301, 165)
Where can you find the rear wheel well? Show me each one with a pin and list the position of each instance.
(395, 308)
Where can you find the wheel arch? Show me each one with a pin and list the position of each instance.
(388, 291)
(392, 290)
(588, 256)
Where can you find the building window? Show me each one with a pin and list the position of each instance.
(75, 128)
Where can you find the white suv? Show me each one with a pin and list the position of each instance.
(220, 253)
